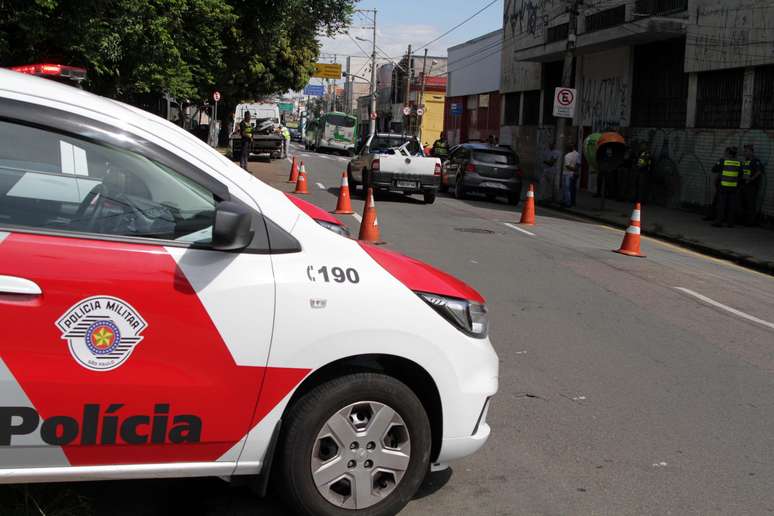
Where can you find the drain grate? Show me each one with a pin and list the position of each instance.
(475, 230)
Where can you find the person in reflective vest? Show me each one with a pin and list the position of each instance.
(441, 148)
(752, 174)
(644, 172)
(285, 141)
(730, 170)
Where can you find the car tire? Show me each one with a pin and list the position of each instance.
(365, 184)
(350, 179)
(459, 187)
(429, 196)
(347, 406)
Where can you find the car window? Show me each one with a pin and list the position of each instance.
(57, 182)
(494, 157)
(341, 120)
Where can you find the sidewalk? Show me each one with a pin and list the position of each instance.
(749, 247)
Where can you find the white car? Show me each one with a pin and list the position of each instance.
(397, 163)
(165, 314)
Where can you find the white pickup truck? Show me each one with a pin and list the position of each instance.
(397, 163)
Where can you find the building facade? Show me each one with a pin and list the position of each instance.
(473, 101)
(686, 77)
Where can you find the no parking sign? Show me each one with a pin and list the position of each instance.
(564, 102)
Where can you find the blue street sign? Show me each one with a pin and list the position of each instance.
(314, 90)
(456, 108)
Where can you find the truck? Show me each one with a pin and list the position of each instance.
(395, 162)
(265, 118)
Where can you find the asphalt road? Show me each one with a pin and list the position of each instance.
(627, 385)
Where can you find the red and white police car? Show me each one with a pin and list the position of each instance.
(165, 314)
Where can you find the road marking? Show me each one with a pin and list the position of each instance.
(357, 217)
(517, 228)
(726, 308)
(320, 186)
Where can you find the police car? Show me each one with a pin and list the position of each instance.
(165, 314)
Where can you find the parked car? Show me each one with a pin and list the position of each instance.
(190, 320)
(482, 168)
(395, 162)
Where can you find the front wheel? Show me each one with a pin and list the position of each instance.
(359, 442)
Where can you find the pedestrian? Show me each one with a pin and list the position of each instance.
(728, 193)
(549, 180)
(644, 174)
(246, 132)
(752, 173)
(285, 141)
(569, 176)
(622, 173)
(441, 148)
(491, 140)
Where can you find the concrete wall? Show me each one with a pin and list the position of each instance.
(522, 28)
(474, 66)
(729, 34)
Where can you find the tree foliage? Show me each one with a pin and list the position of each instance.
(188, 48)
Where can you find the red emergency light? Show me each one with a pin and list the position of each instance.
(74, 73)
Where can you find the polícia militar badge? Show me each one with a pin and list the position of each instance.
(102, 331)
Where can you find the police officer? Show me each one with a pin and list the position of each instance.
(441, 148)
(728, 191)
(644, 171)
(246, 132)
(752, 172)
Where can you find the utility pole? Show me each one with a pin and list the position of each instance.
(569, 58)
(371, 119)
(421, 103)
(408, 90)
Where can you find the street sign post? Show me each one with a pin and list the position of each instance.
(327, 71)
(213, 130)
(373, 115)
(314, 90)
(564, 102)
(456, 108)
(406, 110)
(420, 111)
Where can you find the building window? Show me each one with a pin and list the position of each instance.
(659, 7)
(606, 19)
(719, 99)
(531, 107)
(512, 106)
(557, 33)
(763, 98)
(660, 86)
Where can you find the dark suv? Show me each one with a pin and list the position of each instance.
(483, 168)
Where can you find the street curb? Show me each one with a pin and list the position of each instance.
(724, 254)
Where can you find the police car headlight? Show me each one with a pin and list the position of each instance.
(336, 228)
(469, 317)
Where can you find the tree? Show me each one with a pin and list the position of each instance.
(187, 48)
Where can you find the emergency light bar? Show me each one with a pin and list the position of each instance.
(74, 73)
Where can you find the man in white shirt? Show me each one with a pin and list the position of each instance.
(550, 180)
(570, 169)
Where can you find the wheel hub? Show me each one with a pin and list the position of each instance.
(360, 455)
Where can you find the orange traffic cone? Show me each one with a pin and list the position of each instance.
(528, 213)
(301, 187)
(631, 242)
(344, 206)
(293, 172)
(369, 227)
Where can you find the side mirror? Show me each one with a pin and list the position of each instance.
(232, 228)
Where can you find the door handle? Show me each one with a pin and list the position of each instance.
(15, 285)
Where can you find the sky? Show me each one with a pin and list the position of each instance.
(400, 22)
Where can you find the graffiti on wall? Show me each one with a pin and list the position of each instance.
(683, 160)
(603, 103)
